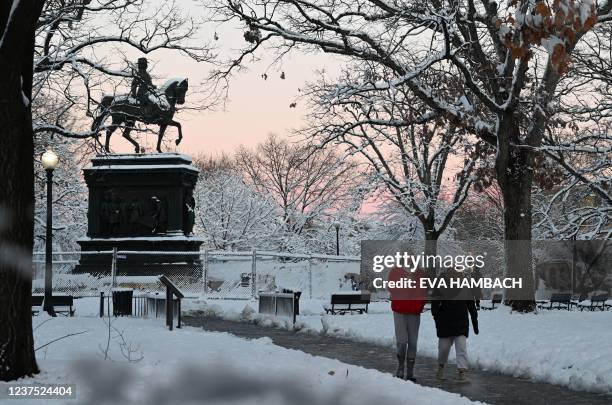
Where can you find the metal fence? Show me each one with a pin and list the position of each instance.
(209, 273)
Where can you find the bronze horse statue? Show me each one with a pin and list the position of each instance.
(124, 109)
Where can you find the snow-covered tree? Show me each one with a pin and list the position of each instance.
(512, 61)
(232, 215)
(306, 184)
(580, 204)
(353, 227)
(426, 168)
(69, 195)
(481, 216)
(69, 189)
(356, 220)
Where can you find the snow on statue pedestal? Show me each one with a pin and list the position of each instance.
(141, 202)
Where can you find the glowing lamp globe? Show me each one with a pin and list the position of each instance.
(49, 160)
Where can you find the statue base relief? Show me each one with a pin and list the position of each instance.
(141, 203)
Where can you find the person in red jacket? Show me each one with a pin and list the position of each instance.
(407, 304)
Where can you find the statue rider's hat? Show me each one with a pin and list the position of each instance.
(142, 62)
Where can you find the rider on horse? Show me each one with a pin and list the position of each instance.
(142, 86)
(143, 104)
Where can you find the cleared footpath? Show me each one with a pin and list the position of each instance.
(486, 386)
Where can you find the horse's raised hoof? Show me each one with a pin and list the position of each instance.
(178, 141)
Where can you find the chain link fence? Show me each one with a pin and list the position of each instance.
(212, 274)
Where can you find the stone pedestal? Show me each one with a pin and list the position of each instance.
(140, 203)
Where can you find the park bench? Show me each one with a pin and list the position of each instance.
(343, 303)
(562, 300)
(577, 299)
(495, 300)
(62, 304)
(596, 302)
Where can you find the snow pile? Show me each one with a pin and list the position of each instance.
(560, 347)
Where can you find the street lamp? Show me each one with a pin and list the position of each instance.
(49, 160)
(337, 226)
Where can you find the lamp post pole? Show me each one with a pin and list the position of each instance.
(49, 160)
(337, 226)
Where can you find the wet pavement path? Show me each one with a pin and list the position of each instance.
(486, 386)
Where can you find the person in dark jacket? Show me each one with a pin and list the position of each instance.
(407, 305)
(451, 309)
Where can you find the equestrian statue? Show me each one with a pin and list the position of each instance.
(145, 104)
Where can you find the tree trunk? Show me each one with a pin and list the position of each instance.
(431, 247)
(518, 249)
(431, 243)
(17, 22)
(515, 177)
(16, 216)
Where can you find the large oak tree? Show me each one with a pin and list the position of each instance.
(18, 20)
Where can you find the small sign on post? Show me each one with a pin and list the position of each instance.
(171, 292)
(254, 274)
(205, 271)
(114, 268)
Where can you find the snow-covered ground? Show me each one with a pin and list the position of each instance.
(572, 349)
(189, 365)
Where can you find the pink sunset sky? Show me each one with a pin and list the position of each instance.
(254, 108)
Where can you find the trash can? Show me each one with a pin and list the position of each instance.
(122, 302)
